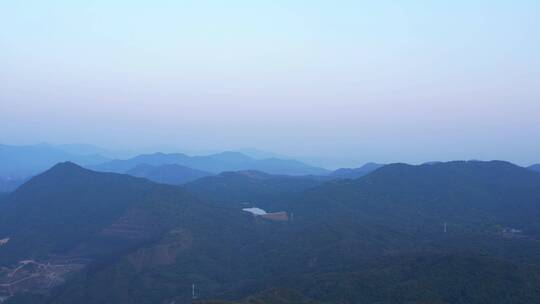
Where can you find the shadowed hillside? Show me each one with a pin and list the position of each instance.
(250, 188)
(356, 172)
(377, 239)
(490, 193)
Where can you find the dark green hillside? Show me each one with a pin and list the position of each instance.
(412, 278)
(377, 239)
(352, 173)
(273, 296)
(250, 188)
(72, 210)
(425, 278)
(132, 230)
(62, 207)
(479, 195)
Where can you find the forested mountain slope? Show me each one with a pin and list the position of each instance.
(377, 239)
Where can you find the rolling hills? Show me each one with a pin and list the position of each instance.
(171, 174)
(353, 173)
(250, 188)
(215, 163)
(452, 190)
(375, 239)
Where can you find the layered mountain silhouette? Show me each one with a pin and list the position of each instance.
(87, 149)
(18, 162)
(456, 232)
(215, 163)
(172, 174)
(250, 188)
(352, 173)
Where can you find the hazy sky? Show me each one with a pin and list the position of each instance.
(353, 80)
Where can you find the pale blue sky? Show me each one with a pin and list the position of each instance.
(359, 81)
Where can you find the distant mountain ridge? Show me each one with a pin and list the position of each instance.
(84, 220)
(106, 225)
(254, 188)
(171, 174)
(87, 149)
(214, 163)
(352, 173)
(24, 161)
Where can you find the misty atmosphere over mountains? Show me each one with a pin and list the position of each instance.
(269, 152)
(172, 228)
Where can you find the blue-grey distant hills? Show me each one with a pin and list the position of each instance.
(171, 174)
(352, 173)
(535, 167)
(17, 162)
(260, 154)
(8, 184)
(214, 163)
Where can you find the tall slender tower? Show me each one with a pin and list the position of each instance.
(193, 291)
(444, 227)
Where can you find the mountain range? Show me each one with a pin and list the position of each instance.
(352, 173)
(19, 162)
(214, 163)
(172, 174)
(455, 232)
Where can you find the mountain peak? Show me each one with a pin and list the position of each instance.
(65, 167)
(214, 163)
(61, 171)
(67, 164)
